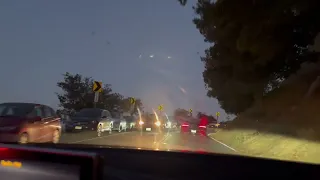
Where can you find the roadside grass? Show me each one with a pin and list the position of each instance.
(283, 125)
(273, 146)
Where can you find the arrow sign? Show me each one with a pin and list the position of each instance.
(160, 107)
(132, 100)
(97, 86)
(190, 110)
(217, 114)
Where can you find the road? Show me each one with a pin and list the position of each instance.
(148, 140)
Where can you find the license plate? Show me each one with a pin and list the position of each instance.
(193, 131)
(78, 127)
(148, 129)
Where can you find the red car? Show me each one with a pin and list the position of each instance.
(28, 122)
(193, 128)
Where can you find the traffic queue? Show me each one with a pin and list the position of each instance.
(35, 123)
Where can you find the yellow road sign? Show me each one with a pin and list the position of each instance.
(132, 100)
(190, 110)
(160, 107)
(217, 114)
(97, 86)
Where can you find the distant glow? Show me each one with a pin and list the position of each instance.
(140, 56)
(158, 123)
(155, 113)
(151, 56)
(169, 57)
(140, 119)
(141, 122)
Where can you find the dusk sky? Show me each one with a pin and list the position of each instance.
(109, 40)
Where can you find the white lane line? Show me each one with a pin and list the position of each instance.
(223, 144)
(165, 138)
(98, 137)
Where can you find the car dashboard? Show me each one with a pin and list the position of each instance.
(63, 161)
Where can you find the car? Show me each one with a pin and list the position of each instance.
(150, 123)
(118, 122)
(95, 119)
(28, 123)
(193, 128)
(131, 122)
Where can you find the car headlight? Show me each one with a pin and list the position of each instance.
(169, 124)
(158, 123)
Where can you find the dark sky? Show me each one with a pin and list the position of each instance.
(109, 40)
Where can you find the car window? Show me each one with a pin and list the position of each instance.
(89, 112)
(107, 113)
(37, 111)
(47, 112)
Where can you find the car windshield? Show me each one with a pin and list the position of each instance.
(237, 77)
(88, 113)
(15, 109)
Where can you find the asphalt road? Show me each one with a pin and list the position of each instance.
(165, 141)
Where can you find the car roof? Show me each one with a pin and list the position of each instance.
(21, 103)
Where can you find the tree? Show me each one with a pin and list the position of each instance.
(255, 46)
(126, 106)
(77, 93)
(181, 112)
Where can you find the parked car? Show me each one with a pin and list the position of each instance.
(91, 119)
(28, 122)
(118, 122)
(131, 122)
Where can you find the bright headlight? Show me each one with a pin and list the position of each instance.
(141, 122)
(158, 123)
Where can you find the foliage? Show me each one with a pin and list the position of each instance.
(181, 112)
(128, 107)
(255, 46)
(77, 93)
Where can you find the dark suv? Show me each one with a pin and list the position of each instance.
(150, 123)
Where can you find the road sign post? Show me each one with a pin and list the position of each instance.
(160, 108)
(96, 99)
(97, 88)
(190, 111)
(132, 104)
(217, 115)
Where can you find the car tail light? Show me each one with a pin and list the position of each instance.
(185, 125)
(202, 127)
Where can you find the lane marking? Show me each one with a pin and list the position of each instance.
(99, 137)
(165, 138)
(223, 144)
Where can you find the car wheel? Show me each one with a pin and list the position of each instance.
(120, 128)
(56, 136)
(99, 130)
(23, 139)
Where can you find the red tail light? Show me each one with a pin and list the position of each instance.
(185, 125)
(202, 126)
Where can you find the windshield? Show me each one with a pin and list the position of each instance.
(15, 109)
(218, 76)
(88, 113)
